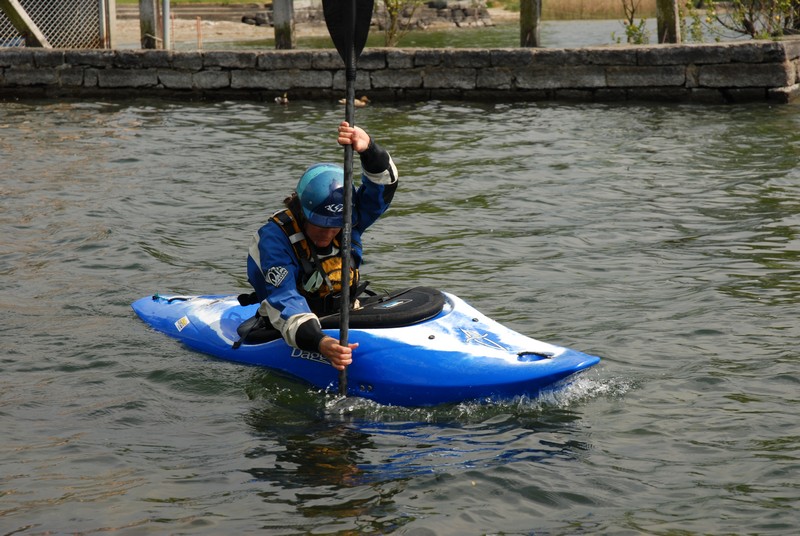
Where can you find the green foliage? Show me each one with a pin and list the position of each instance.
(635, 33)
(396, 19)
(760, 19)
(692, 22)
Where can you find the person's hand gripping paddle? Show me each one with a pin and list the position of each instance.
(348, 23)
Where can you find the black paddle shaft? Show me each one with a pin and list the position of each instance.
(348, 24)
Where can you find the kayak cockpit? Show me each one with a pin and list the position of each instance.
(393, 310)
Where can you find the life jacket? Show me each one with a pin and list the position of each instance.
(322, 278)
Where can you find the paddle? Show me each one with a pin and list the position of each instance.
(348, 23)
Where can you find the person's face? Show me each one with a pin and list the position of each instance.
(321, 236)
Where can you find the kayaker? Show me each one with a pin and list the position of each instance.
(294, 263)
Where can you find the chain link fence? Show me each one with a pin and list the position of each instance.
(64, 23)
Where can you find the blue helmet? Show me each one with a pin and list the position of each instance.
(321, 193)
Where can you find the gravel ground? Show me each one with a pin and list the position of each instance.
(186, 31)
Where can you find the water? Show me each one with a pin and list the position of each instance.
(662, 237)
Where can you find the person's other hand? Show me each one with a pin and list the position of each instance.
(339, 356)
(354, 136)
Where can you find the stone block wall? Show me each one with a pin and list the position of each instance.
(730, 72)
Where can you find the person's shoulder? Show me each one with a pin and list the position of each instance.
(272, 231)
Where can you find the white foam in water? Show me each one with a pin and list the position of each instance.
(579, 390)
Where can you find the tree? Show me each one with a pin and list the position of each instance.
(395, 19)
(760, 19)
(635, 33)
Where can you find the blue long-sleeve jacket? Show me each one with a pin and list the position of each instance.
(276, 273)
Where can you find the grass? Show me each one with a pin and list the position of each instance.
(583, 9)
(551, 9)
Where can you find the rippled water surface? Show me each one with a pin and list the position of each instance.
(662, 238)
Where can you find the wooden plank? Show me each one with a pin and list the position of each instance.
(24, 24)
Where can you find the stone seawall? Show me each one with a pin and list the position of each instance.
(716, 73)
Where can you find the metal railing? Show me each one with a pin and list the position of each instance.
(64, 23)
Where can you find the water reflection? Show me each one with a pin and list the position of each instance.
(309, 440)
(306, 453)
(317, 453)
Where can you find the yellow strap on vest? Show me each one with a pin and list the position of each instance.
(291, 228)
(331, 266)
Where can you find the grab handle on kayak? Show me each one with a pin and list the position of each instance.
(526, 355)
(156, 297)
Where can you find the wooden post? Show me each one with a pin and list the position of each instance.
(530, 14)
(23, 24)
(283, 19)
(199, 34)
(148, 23)
(669, 30)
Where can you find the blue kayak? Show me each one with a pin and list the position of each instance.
(417, 347)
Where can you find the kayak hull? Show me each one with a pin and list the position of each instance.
(458, 355)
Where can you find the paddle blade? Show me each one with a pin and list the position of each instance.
(348, 29)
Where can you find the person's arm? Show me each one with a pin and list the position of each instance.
(303, 331)
(376, 163)
(273, 272)
(378, 167)
(309, 336)
(378, 176)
